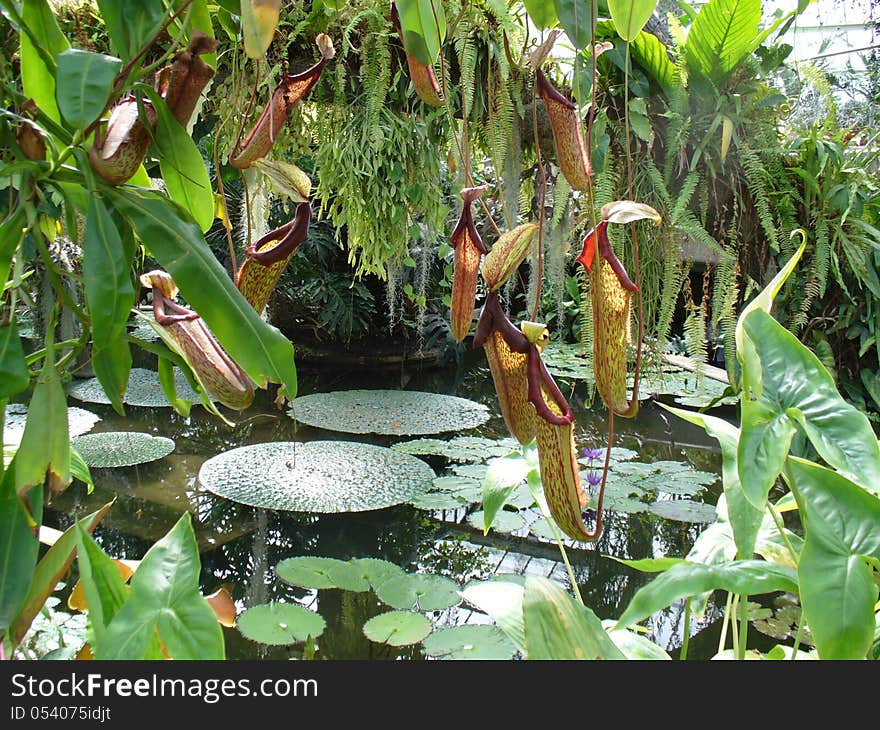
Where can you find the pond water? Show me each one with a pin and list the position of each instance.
(240, 545)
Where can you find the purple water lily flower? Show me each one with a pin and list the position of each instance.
(593, 454)
(594, 479)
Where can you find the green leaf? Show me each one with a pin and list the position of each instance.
(633, 645)
(745, 517)
(798, 391)
(259, 18)
(179, 246)
(165, 597)
(14, 376)
(423, 23)
(576, 19)
(397, 628)
(314, 572)
(652, 56)
(280, 624)
(542, 13)
(85, 80)
(841, 544)
(44, 452)
(479, 642)
(80, 470)
(630, 16)
(746, 577)
(104, 589)
(18, 551)
(52, 568)
(558, 628)
(112, 366)
(11, 234)
(502, 600)
(376, 571)
(502, 477)
(722, 35)
(169, 386)
(130, 25)
(426, 592)
(38, 79)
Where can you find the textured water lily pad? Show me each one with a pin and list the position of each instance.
(314, 572)
(392, 412)
(470, 642)
(671, 477)
(472, 471)
(541, 528)
(683, 510)
(397, 628)
(121, 448)
(79, 421)
(144, 389)
(685, 386)
(438, 501)
(568, 361)
(424, 592)
(505, 521)
(460, 448)
(317, 476)
(376, 571)
(280, 624)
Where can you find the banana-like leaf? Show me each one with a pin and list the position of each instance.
(37, 78)
(630, 16)
(722, 35)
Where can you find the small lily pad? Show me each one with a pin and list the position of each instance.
(397, 628)
(505, 521)
(568, 361)
(470, 642)
(315, 572)
(79, 421)
(460, 448)
(683, 510)
(438, 501)
(280, 624)
(426, 592)
(541, 528)
(144, 389)
(376, 571)
(317, 476)
(471, 471)
(121, 448)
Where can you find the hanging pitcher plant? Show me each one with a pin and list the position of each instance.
(469, 249)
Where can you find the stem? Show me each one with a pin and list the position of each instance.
(575, 589)
(743, 626)
(687, 629)
(722, 640)
(734, 628)
(797, 637)
(540, 263)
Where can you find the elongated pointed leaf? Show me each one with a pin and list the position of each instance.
(423, 25)
(38, 79)
(502, 477)
(165, 597)
(131, 24)
(576, 18)
(842, 543)
(112, 366)
(102, 585)
(502, 600)
(652, 56)
(798, 391)
(630, 16)
(558, 628)
(541, 12)
(11, 235)
(179, 246)
(14, 376)
(259, 18)
(747, 577)
(18, 551)
(85, 80)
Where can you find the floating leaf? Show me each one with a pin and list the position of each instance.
(318, 476)
(280, 624)
(397, 628)
(683, 510)
(460, 448)
(79, 421)
(392, 412)
(376, 571)
(426, 592)
(121, 448)
(470, 642)
(504, 521)
(314, 572)
(144, 389)
(501, 598)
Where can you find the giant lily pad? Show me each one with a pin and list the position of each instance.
(280, 623)
(470, 642)
(121, 448)
(144, 389)
(392, 412)
(427, 592)
(397, 628)
(79, 421)
(683, 510)
(314, 572)
(318, 476)
(460, 448)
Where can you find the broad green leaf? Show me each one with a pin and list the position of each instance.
(425, 592)
(836, 567)
(469, 642)
(502, 600)
(131, 24)
(80, 470)
(169, 386)
(745, 518)
(165, 596)
(746, 577)
(650, 565)
(397, 628)
(259, 18)
(576, 19)
(721, 37)
(376, 571)
(44, 452)
(652, 56)
(11, 234)
(51, 569)
(112, 366)
(502, 477)
(314, 572)
(14, 376)
(38, 79)
(542, 13)
(423, 23)
(280, 624)
(103, 586)
(179, 246)
(183, 169)
(630, 16)
(558, 628)
(633, 645)
(18, 551)
(85, 80)
(798, 391)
